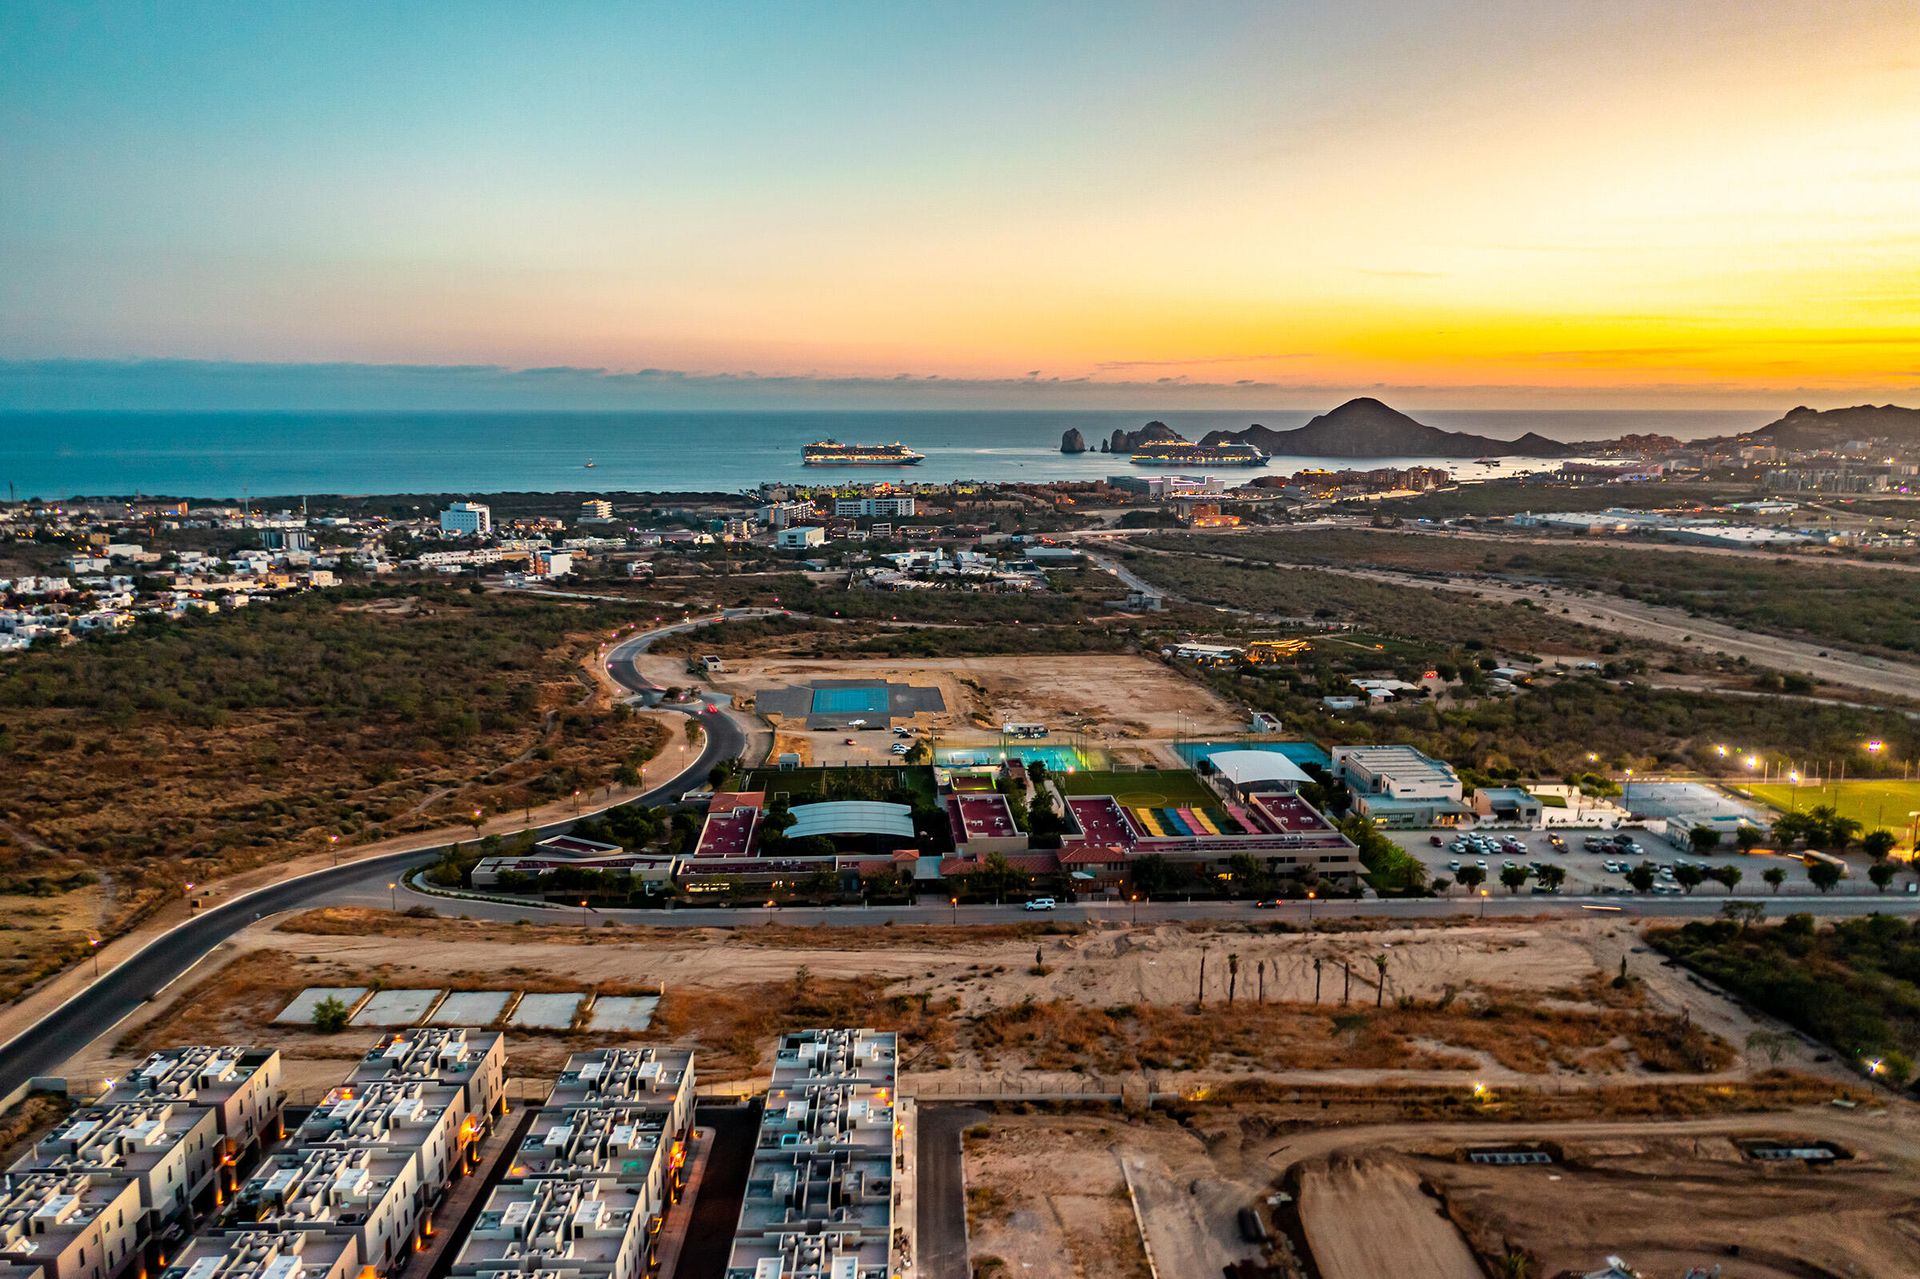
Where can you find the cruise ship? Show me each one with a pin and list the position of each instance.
(834, 453)
(1184, 453)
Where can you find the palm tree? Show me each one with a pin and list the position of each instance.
(1233, 974)
(1316, 978)
(1380, 991)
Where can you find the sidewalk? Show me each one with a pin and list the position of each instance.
(679, 1218)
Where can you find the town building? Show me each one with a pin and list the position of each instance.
(820, 1192)
(890, 506)
(267, 1254)
(1397, 786)
(800, 537)
(241, 1085)
(590, 1184)
(467, 519)
(596, 510)
(71, 1225)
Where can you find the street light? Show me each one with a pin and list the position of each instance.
(393, 895)
(333, 846)
(1135, 899)
(1310, 896)
(955, 903)
(1483, 903)
(94, 944)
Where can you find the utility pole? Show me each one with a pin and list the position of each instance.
(1346, 988)
(1316, 978)
(1201, 1001)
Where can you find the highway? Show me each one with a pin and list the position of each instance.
(41, 1048)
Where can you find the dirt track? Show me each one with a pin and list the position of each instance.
(1366, 1218)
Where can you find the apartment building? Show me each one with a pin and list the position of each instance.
(475, 1061)
(898, 506)
(72, 1225)
(467, 519)
(172, 1151)
(372, 1196)
(591, 1182)
(372, 1161)
(820, 1193)
(267, 1254)
(242, 1086)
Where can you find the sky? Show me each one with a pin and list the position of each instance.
(1477, 204)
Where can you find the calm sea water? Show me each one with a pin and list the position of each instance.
(223, 455)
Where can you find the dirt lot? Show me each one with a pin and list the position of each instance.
(1663, 1200)
(1507, 1005)
(1047, 1197)
(1072, 692)
(1369, 1217)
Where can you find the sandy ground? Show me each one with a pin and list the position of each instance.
(1075, 692)
(1047, 1197)
(975, 978)
(1368, 1217)
(1665, 1197)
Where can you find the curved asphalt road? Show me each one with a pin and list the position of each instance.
(119, 991)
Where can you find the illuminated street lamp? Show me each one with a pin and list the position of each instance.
(955, 903)
(393, 895)
(1135, 899)
(93, 943)
(1875, 746)
(1310, 897)
(1483, 903)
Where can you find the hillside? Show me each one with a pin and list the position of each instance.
(1367, 428)
(1805, 428)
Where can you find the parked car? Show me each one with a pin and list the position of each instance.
(1267, 903)
(1040, 903)
(1436, 841)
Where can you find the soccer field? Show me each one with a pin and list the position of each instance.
(1150, 788)
(1871, 803)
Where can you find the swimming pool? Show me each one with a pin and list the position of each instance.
(1057, 758)
(850, 701)
(1302, 753)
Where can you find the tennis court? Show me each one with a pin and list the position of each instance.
(870, 700)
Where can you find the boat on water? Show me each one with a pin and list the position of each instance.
(834, 453)
(591, 464)
(1185, 453)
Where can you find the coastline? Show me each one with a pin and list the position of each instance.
(233, 455)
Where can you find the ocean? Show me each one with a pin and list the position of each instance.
(231, 454)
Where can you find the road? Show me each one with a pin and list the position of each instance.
(940, 1193)
(120, 990)
(1829, 664)
(373, 894)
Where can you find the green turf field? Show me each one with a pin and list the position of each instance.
(1163, 788)
(1871, 803)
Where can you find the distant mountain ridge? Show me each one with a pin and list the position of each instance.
(1804, 428)
(1365, 427)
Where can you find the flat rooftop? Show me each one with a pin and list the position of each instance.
(980, 817)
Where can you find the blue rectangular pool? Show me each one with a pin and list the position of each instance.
(1302, 753)
(850, 701)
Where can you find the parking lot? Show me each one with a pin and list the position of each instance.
(1587, 873)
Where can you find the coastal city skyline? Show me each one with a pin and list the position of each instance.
(1487, 205)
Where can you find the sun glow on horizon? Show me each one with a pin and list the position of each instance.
(1544, 202)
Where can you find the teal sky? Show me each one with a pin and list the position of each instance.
(1496, 202)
